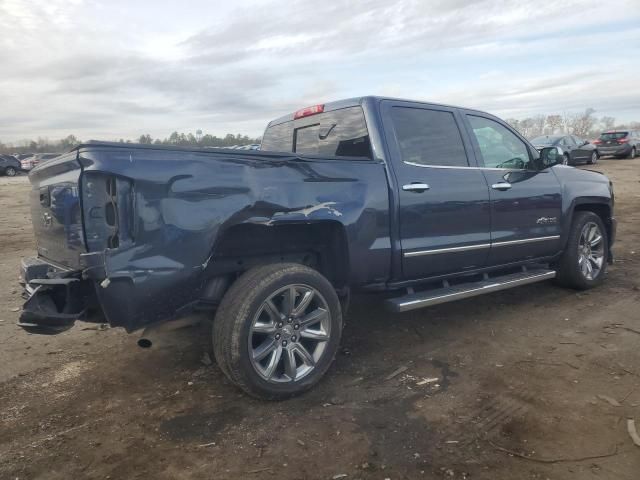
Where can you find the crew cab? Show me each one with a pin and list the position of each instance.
(430, 203)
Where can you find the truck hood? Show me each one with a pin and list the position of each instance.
(570, 174)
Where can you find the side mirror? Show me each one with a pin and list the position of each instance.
(550, 156)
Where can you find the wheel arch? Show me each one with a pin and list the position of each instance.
(320, 244)
(600, 207)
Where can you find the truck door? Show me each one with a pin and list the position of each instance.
(526, 202)
(444, 215)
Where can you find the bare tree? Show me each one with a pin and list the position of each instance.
(537, 125)
(607, 123)
(515, 123)
(567, 122)
(555, 123)
(583, 123)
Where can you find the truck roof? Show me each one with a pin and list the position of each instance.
(354, 101)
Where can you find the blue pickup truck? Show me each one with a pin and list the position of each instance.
(429, 203)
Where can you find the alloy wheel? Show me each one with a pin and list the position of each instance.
(289, 334)
(10, 172)
(591, 251)
(594, 158)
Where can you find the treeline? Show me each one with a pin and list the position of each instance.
(584, 124)
(44, 145)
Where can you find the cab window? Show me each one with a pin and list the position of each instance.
(428, 137)
(499, 147)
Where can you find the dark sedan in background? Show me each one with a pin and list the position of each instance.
(620, 144)
(575, 149)
(9, 165)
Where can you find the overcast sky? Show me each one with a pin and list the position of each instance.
(121, 68)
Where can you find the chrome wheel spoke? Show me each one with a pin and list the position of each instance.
(316, 316)
(312, 334)
(304, 303)
(272, 311)
(583, 266)
(266, 328)
(595, 241)
(264, 349)
(288, 301)
(304, 355)
(290, 368)
(273, 363)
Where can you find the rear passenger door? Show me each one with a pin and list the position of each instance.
(526, 202)
(444, 218)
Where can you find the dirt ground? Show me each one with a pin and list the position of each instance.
(532, 383)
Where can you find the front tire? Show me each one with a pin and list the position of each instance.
(10, 172)
(584, 261)
(566, 160)
(594, 159)
(277, 330)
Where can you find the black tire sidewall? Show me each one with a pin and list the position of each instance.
(569, 273)
(246, 305)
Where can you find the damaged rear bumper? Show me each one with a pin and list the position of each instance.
(56, 297)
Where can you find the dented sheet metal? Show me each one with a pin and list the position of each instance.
(184, 201)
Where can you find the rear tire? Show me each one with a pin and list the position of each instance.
(583, 263)
(566, 160)
(633, 153)
(277, 330)
(10, 172)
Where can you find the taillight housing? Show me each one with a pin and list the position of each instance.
(597, 142)
(107, 206)
(308, 111)
(623, 140)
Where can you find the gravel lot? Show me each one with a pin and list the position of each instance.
(548, 374)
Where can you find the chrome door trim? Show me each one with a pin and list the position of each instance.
(451, 167)
(524, 240)
(478, 246)
(437, 251)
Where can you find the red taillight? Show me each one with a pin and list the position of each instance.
(623, 140)
(597, 142)
(308, 111)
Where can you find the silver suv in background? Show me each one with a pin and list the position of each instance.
(620, 144)
(30, 162)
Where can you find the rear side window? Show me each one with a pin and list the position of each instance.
(428, 137)
(613, 135)
(338, 133)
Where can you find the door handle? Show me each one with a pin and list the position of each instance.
(501, 186)
(415, 187)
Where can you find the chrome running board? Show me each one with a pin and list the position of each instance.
(447, 293)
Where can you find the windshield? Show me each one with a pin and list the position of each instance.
(545, 140)
(613, 135)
